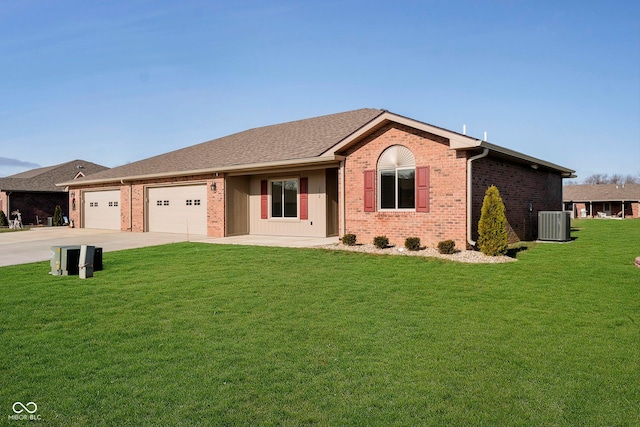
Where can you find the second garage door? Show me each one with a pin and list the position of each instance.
(178, 209)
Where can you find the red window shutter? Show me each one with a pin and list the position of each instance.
(370, 191)
(422, 189)
(264, 199)
(304, 198)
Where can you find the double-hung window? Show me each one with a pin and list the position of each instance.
(284, 198)
(397, 189)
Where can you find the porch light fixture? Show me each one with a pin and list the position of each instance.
(214, 187)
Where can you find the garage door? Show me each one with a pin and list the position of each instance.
(102, 209)
(178, 209)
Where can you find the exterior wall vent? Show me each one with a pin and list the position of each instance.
(554, 225)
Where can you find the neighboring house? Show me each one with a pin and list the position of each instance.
(368, 172)
(34, 193)
(602, 200)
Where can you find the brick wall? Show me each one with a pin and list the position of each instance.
(631, 209)
(519, 185)
(216, 208)
(447, 216)
(133, 200)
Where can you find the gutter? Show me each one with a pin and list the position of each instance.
(255, 167)
(470, 241)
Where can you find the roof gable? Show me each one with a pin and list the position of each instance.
(45, 178)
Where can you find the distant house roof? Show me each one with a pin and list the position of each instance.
(44, 179)
(601, 193)
(316, 141)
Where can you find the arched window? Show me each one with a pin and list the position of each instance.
(397, 178)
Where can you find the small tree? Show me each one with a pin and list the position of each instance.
(492, 227)
(57, 216)
(3, 220)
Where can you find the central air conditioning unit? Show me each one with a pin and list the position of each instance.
(554, 226)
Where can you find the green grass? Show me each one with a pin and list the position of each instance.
(11, 230)
(197, 334)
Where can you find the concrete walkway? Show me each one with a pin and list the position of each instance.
(34, 245)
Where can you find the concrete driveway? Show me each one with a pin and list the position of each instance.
(34, 245)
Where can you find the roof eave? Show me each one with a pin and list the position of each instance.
(249, 168)
(535, 163)
(457, 141)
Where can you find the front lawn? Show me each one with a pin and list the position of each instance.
(198, 334)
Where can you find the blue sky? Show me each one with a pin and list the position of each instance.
(118, 81)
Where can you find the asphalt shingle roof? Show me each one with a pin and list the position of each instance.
(287, 141)
(601, 193)
(45, 178)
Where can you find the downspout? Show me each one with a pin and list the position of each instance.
(470, 194)
(343, 198)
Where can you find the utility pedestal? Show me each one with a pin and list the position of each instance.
(85, 265)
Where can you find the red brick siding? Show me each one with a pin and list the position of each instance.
(519, 185)
(216, 208)
(3, 204)
(132, 216)
(447, 196)
(631, 209)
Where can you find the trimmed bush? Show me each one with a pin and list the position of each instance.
(492, 227)
(57, 216)
(412, 243)
(3, 220)
(380, 242)
(349, 239)
(447, 247)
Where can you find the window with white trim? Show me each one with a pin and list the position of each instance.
(284, 198)
(397, 179)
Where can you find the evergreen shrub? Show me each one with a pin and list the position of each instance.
(492, 227)
(349, 239)
(412, 243)
(447, 247)
(57, 216)
(380, 242)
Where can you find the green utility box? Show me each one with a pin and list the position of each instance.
(64, 260)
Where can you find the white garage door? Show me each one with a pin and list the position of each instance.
(102, 209)
(178, 209)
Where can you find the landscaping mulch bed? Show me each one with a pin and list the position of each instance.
(459, 256)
